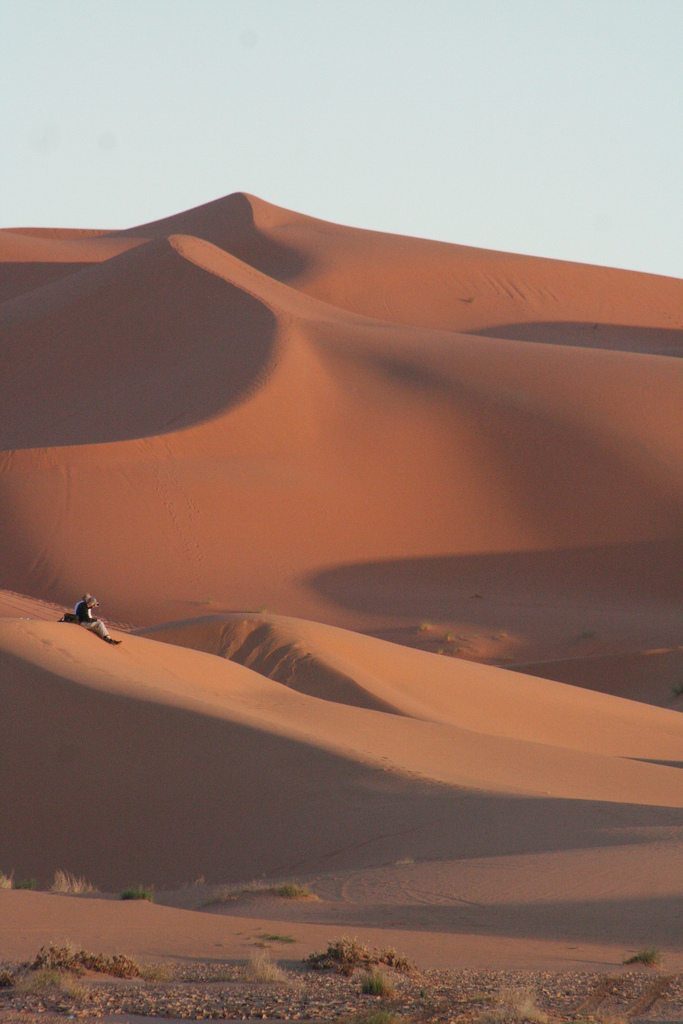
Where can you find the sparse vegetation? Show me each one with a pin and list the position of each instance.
(650, 957)
(284, 890)
(677, 690)
(65, 882)
(156, 972)
(76, 961)
(26, 883)
(291, 891)
(6, 881)
(514, 1005)
(261, 968)
(46, 982)
(138, 893)
(425, 627)
(277, 938)
(374, 983)
(346, 954)
(377, 1017)
(7, 978)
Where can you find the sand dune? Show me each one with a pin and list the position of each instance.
(477, 452)
(361, 671)
(168, 741)
(221, 406)
(433, 284)
(653, 677)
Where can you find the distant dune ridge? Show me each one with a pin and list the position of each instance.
(346, 433)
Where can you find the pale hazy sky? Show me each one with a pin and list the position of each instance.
(552, 127)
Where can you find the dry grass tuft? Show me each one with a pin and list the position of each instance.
(650, 957)
(51, 982)
(68, 883)
(374, 983)
(261, 968)
(376, 1017)
(6, 881)
(157, 972)
(346, 954)
(515, 1005)
(284, 890)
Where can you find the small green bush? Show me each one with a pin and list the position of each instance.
(375, 984)
(26, 883)
(649, 957)
(292, 891)
(138, 893)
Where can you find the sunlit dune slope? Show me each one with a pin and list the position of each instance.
(434, 284)
(349, 668)
(232, 442)
(243, 406)
(149, 761)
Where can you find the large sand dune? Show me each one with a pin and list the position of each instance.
(198, 403)
(470, 451)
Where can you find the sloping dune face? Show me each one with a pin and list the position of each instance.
(161, 763)
(241, 406)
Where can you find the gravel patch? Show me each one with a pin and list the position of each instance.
(210, 991)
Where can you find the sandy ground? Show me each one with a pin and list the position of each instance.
(446, 485)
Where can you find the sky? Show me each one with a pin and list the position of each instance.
(551, 127)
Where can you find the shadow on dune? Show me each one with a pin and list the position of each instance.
(660, 341)
(449, 585)
(18, 278)
(125, 790)
(141, 344)
(630, 921)
(229, 223)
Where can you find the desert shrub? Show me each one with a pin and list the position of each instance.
(292, 891)
(346, 954)
(66, 958)
(138, 893)
(7, 978)
(6, 881)
(650, 957)
(285, 890)
(515, 1005)
(46, 982)
(68, 883)
(261, 968)
(374, 983)
(26, 883)
(267, 937)
(677, 690)
(157, 972)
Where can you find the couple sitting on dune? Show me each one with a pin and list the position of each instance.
(82, 614)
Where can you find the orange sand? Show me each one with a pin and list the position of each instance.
(243, 407)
